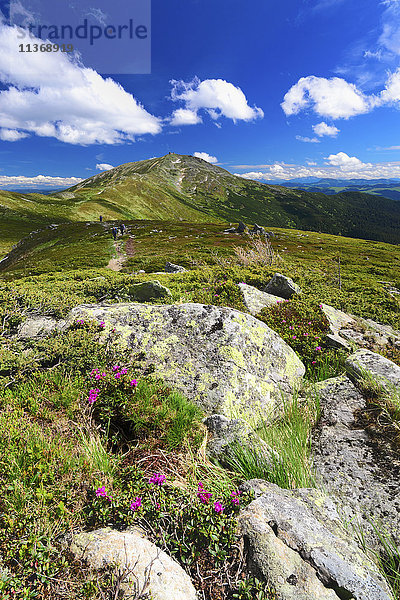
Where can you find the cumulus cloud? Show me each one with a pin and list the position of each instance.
(323, 128)
(336, 166)
(104, 167)
(313, 140)
(335, 98)
(391, 93)
(206, 157)
(216, 96)
(12, 135)
(51, 95)
(38, 181)
(185, 116)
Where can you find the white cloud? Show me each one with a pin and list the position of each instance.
(51, 95)
(12, 135)
(335, 98)
(391, 93)
(323, 128)
(216, 96)
(390, 36)
(185, 116)
(206, 157)
(337, 166)
(38, 181)
(313, 140)
(104, 166)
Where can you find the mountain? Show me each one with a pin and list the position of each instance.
(179, 187)
(388, 188)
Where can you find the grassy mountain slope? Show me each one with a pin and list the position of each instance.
(176, 187)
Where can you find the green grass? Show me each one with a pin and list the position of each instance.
(287, 463)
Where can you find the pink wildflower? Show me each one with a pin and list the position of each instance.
(318, 348)
(203, 495)
(133, 383)
(157, 479)
(136, 503)
(102, 324)
(218, 507)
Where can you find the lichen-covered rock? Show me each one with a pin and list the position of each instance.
(282, 286)
(386, 372)
(298, 544)
(36, 327)
(360, 332)
(152, 570)
(255, 300)
(148, 290)
(359, 471)
(226, 361)
(226, 434)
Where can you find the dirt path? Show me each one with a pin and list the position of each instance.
(116, 264)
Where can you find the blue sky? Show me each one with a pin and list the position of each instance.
(268, 90)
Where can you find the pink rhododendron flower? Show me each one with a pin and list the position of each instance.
(218, 507)
(136, 503)
(157, 479)
(133, 383)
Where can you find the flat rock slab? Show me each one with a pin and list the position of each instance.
(226, 361)
(297, 542)
(255, 300)
(364, 362)
(359, 472)
(153, 571)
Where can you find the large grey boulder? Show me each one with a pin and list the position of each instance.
(364, 362)
(152, 571)
(226, 361)
(282, 286)
(297, 543)
(148, 290)
(255, 300)
(355, 466)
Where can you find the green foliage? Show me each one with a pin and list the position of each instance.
(304, 326)
(188, 523)
(142, 409)
(252, 588)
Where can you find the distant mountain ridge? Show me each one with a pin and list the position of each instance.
(181, 187)
(388, 188)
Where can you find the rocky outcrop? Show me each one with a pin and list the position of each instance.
(348, 330)
(364, 362)
(282, 286)
(298, 545)
(226, 361)
(147, 568)
(255, 300)
(356, 468)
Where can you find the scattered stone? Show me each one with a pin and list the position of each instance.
(282, 286)
(226, 361)
(257, 229)
(353, 465)
(255, 300)
(297, 543)
(37, 327)
(241, 227)
(150, 569)
(362, 362)
(171, 268)
(148, 290)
